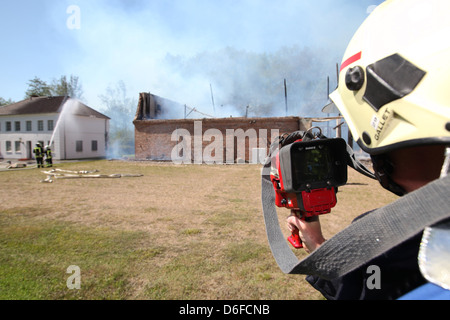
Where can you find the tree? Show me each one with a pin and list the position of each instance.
(37, 87)
(64, 87)
(60, 87)
(4, 102)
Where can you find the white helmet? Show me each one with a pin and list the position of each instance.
(394, 82)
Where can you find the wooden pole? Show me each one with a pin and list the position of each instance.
(285, 96)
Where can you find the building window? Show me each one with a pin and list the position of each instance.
(79, 146)
(8, 125)
(17, 146)
(8, 146)
(40, 125)
(17, 125)
(50, 125)
(94, 145)
(29, 125)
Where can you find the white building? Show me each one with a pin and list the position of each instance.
(74, 130)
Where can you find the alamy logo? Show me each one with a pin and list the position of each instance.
(374, 280)
(74, 20)
(74, 281)
(213, 147)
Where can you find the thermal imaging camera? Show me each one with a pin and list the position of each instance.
(306, 175)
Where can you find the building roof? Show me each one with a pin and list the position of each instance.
(48, 104)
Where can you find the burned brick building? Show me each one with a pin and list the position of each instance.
(206, 140)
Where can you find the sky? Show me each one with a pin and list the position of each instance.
(107, 41)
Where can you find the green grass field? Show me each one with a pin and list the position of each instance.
(178, 232)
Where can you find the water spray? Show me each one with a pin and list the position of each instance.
(61, 115)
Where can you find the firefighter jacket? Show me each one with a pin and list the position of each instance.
(38, 152)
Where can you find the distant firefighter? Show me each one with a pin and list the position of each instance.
(39, 155)
(48, 157)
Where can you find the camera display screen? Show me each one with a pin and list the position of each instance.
(314, 164)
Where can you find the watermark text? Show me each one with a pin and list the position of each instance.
(215, 146)
(73, 21)
(74, 281)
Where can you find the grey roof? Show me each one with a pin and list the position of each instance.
(39, 105)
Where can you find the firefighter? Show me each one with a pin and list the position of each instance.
(48, 157)
(39, 155)
(393, 93)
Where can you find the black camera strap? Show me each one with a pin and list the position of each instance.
(366, 238)
(358, 166)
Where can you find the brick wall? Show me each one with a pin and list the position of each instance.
(219, 140)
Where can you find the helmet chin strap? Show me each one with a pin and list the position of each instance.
(383, 169)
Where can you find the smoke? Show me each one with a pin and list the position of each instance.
(117, 104)
(243, 50)
(253, 84)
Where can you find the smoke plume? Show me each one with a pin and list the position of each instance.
(242, 50)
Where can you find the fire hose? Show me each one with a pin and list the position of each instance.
(68, 174)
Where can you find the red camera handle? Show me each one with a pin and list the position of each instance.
(295, 240)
